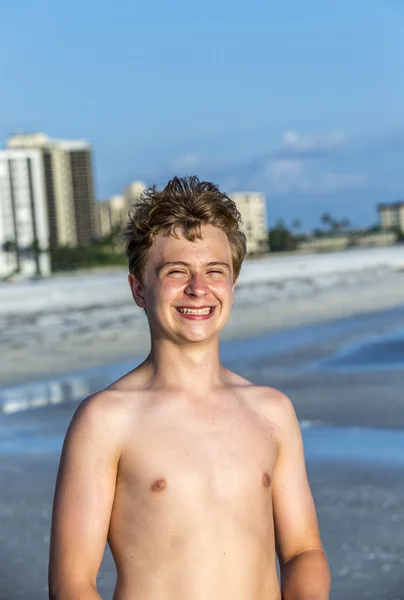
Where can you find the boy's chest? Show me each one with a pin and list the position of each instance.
(202, 457)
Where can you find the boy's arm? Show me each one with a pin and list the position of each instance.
(83, 501)
(304, 568)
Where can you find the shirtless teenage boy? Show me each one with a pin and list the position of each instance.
(194, 475)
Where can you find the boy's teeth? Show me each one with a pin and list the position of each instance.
(195, 311)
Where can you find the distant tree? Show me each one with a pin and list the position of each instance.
(281, 239)
(318, 232)
(296, 224)
(34, 251)
(9, 246)
(12, 247)
(335, 226)
(98, 254)
(280, 224)
(400, 235)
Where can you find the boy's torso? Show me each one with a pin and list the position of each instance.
(192, 515)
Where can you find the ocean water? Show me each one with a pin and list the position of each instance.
(357, 345)
(336, 444)
(377, 352)
(370, 341)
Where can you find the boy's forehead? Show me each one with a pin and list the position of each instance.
(214, 245)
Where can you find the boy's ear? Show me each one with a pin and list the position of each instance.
(234, 285)
(137, 290)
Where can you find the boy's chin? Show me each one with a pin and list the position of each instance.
(199, 336)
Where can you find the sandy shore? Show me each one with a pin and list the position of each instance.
(46, 351)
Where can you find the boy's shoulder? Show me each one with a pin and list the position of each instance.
(110, 407)
(269, 401)
(266, 392)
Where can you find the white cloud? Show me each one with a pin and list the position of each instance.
(340, 181)
(290, 169)
(187, 161)
(283, 176)
(326, 140)
(287, 176)
(280, 169)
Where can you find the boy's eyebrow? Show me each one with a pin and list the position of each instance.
(178, 263)
(181, 263)
(219, 264)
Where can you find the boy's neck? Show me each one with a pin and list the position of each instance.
(190, 367)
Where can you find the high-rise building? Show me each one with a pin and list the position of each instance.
(392, 216)
(24, 232)
(68, 177)
(251, 206)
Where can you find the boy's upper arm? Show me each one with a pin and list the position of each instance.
(84, 494)
(295, 519)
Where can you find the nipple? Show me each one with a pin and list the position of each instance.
(266, 480)
(159, 485)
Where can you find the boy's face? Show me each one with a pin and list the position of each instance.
(187, 287)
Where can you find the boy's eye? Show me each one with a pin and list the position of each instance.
(175, 271)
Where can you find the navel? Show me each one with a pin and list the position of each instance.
(266, 480)
(159, 485)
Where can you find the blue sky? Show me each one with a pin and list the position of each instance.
(302, 100)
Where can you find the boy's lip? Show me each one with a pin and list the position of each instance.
(195, 307)
(197, 317)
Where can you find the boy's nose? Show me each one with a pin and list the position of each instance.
(196, 287)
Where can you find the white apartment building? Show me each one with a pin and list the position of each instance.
(24, 230)
(69, 187)
(252, 208)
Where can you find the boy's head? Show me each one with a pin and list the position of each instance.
(181, 208)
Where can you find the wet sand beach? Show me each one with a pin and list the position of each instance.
(346, 379)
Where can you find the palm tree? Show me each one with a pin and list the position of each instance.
(296, 224)
(327, 220)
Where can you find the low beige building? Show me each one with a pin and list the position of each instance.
(327, 243)
(333, 243)
(119, 208)
(377, 238)
(252, 208)
(112, 214)
(392, 216)
(104, 218)
(133, 191)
